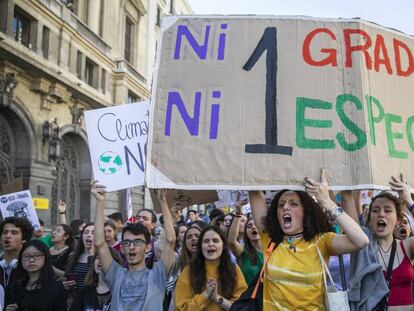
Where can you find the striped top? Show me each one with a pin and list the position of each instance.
(293, 276)
(81, 268)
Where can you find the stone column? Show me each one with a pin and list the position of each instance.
(93, 15)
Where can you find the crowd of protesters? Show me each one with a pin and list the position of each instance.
(200, 263)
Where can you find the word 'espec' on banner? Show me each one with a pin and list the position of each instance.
(256, 102)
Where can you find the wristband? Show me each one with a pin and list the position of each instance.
(337, 211)
(61, 213)
(237, 215)
(220, 301)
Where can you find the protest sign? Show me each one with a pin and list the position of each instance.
(117, 139)
(230, 197)
(261, 102)
(19, 204)
(184, 197)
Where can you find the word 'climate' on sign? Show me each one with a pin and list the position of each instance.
(118, 144)
(112, 129)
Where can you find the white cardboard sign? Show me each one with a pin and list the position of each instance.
(19, 204)
(117, 139)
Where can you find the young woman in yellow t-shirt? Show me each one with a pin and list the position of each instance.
(211, 281)
(299, 225)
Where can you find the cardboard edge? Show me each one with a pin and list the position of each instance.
(157, 178)
(154, 179)
(295, 17)
(166, 23)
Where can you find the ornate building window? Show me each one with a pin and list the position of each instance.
(128, 40)
(91, 73)
(21, 28)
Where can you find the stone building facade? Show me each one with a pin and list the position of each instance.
(57, 59)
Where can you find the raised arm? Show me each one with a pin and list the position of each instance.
(348, 205)
(167, 256)
(354, 238)
(404, 190)
(259, 210)
(404, 193)
(62, 212)
(235, 246)
(99, 237)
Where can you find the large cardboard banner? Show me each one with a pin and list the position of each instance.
(253, 102)
(117, 139)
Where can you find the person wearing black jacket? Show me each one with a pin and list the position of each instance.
(37, 290)
(95, 296)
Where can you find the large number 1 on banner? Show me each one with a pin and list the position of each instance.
(268, 43)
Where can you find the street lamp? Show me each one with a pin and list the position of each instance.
(8, 83)
(50, 133)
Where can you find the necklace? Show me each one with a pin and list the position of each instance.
(382, 258)
(384, 255)
(292, 238)
(58, 249)
(385, 251)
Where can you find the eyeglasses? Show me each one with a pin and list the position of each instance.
(35, 257)
(137, 242)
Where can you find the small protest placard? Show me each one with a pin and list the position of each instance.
(117, 139)
(230, 197)
(19, 204)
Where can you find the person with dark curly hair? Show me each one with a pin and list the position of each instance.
(300, 227)
(211, 281)
(14, 233)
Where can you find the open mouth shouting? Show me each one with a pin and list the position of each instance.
(287, 221)
(403, 233)
(6, 244)
(381, 225)
(193, 245)
(211, 252)
(132, 255)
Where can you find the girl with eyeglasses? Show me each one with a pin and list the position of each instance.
(37, 289)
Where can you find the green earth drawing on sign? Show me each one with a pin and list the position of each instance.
(109, 162)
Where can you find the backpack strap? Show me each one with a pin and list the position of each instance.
(267, 256)
(391, 262)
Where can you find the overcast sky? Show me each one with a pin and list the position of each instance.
(398, 14)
